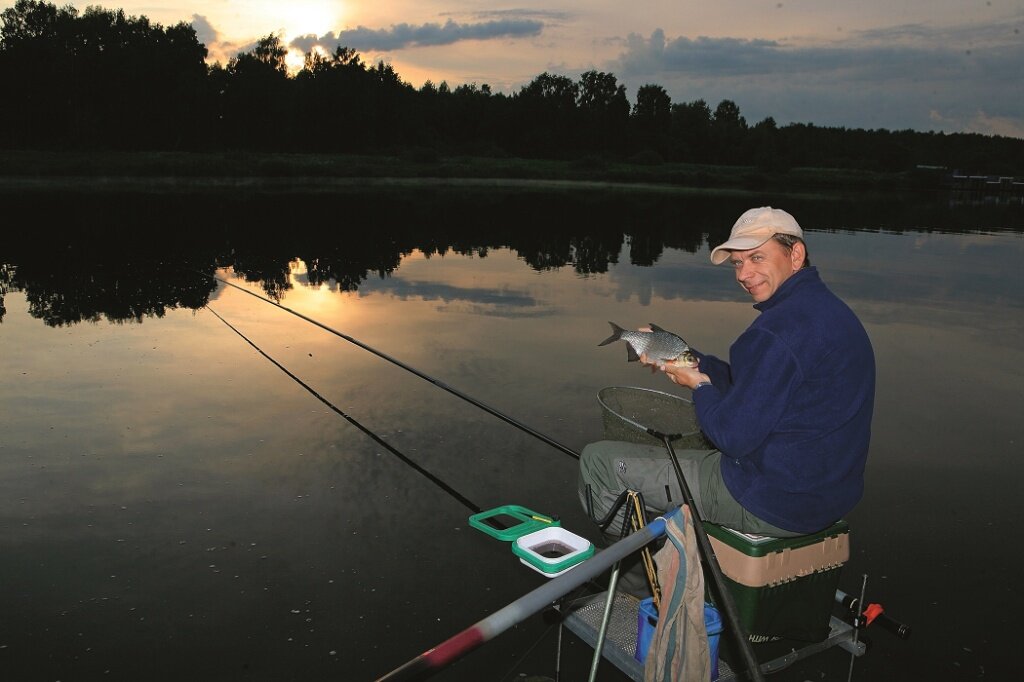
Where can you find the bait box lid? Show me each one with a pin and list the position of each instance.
(552, 550)
(518, 521)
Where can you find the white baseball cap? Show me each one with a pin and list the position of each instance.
(754, 228)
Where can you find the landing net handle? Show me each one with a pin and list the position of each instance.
(664, 418)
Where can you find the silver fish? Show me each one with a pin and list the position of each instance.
(660, 346)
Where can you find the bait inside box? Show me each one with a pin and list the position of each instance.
(552, 551)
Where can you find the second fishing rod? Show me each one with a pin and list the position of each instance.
(436, 382)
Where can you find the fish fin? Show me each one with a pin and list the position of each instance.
(615, 336)
(631, 354)
(656, 328)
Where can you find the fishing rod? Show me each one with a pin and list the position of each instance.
(483, 631)
(872, 613)
(377, 439)
(436, 382)
(351, 420)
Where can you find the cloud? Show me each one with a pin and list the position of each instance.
(523, 14)
(205, 31)
(958, 79)
(218, 50)
(401, 36)
(508, 303)
(736, 57)
(982, 123)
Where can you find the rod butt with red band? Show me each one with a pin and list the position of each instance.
(438, 657)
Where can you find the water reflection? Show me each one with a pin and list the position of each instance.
(125, 258)
(168, 491)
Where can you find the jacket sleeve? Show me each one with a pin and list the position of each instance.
(717, 369)
(764, 373)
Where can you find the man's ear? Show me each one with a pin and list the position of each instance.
(797, 255)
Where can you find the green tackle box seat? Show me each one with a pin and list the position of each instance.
(783, 587)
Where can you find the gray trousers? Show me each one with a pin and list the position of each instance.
(608, 467)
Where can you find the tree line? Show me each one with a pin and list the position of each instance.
(100, 79)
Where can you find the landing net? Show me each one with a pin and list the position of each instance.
(630, 414)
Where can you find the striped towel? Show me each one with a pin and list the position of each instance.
(679, 647)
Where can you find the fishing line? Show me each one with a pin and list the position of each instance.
(434, 479)
(377, 439)
(431, 477)
(529, 650)
(436, 382)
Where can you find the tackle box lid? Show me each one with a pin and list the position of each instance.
(761, 545)
(759, 562)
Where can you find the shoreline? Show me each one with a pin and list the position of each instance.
(185, 171)
(315, 184)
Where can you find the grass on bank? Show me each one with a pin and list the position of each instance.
(65, 167)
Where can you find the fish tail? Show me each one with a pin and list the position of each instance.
(616, 334)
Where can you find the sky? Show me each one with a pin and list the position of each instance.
(926, 65)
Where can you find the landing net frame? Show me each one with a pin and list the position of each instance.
(644, 415)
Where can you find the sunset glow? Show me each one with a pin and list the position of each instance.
(300, 17)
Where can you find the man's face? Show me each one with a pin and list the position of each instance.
(762, 270)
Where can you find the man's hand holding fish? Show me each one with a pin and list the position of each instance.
(678, 372)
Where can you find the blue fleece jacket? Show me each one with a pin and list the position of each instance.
(791, 410)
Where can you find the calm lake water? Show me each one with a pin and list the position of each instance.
(175, 506)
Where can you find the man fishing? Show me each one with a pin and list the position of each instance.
(789, 413)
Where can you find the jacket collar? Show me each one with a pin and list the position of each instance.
(798, 280)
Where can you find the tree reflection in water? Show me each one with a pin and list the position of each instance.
(125, 257)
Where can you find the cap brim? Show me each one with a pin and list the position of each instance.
(720, 253)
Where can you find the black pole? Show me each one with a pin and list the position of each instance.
(707, 552)
(437, 382)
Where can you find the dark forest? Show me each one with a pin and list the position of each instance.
(101, 80)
